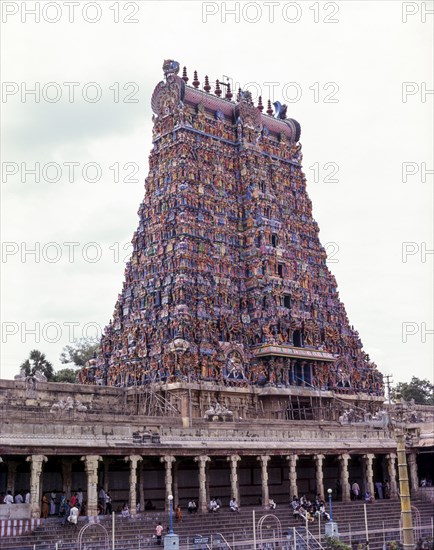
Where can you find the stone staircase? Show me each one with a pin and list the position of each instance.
(237, 529)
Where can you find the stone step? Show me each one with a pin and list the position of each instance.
(137, 532)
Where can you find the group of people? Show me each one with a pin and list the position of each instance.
(105, 502)
(52, 504)
(214, 505)
(306, 510)
(20, 497)
(57, 504)
(382, 491)
(70, 510)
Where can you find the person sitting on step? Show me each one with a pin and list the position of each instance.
(192, 507)
(125, 511)
(321, 512)
(368, 496)
(213, 506)
(304, 515)
(233, 505)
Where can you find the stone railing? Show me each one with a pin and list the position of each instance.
(14, 511)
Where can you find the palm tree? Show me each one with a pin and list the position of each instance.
(37, 362)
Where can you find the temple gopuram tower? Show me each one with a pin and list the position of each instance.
(227, 287)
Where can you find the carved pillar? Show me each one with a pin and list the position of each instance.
(91, 467)
(414, 479)
(233, 460)
(263, 459)
(35, 483)
(133, 460)
(168, 461)
(319, 477)
(202, 460)
(292, 371)
(207, 478)
(67, 476)
(142, 485)
(391, 472)
(369, 474)
(345, 477)
(293, 490)
(175, 485)
(12, 470)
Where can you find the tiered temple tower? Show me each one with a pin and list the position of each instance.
(228, 281)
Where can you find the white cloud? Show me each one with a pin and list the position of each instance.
(369, 213)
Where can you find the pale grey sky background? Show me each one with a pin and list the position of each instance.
(347, 93)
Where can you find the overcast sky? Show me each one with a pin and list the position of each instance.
(356, 75)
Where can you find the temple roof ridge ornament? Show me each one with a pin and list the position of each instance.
(173, 92)
(170, 66)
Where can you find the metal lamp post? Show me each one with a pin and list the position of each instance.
(170, 497)
(329, 491)
(331, 528)
(171, 540)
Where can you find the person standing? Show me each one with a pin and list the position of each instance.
(66, 511)
(386, 487)
(80, 498)
(355, 488)
(101, 498)
(379, 487)
(159, 532)
(108, 503)
(73, 515)
(19, 498)
(9, 499)
(44, 508)
(53, 497)
(62, 504)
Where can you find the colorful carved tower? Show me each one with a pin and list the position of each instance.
(228, 281)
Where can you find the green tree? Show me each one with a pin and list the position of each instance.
(80, 352)
(422, 391)
(66, 375)
(37, 362)
(333, 543)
